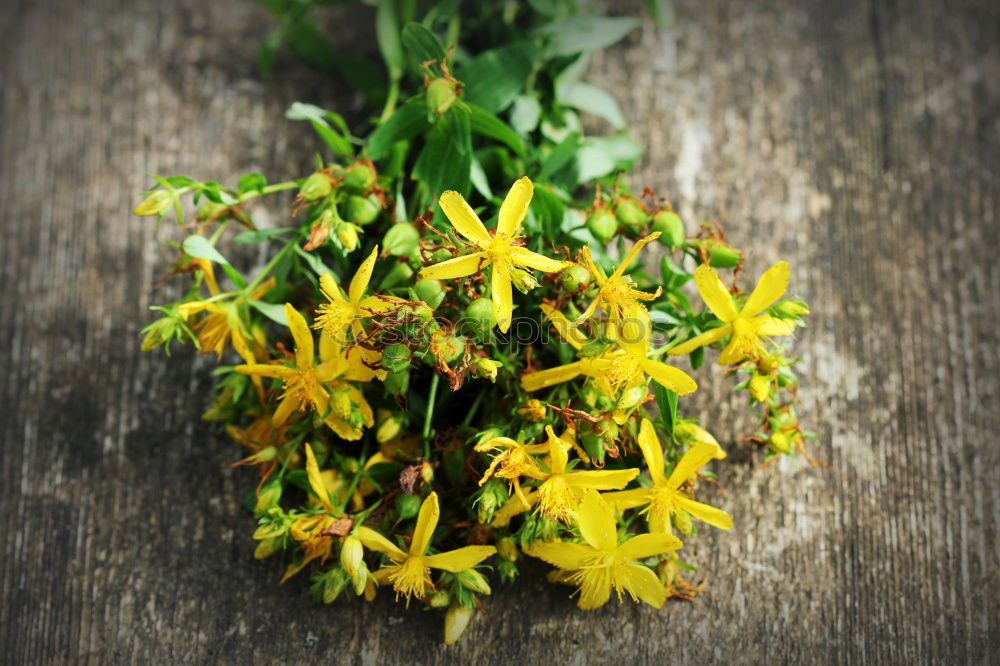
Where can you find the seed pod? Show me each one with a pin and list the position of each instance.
(401, 240)
(442, 93)
(720, 255)
(359, 178)
(430, 292)
(482, 314)
(574, 278)
(671, 228)
(594, 446)
(603, 224)
(362, 210)
(396, 358)
(407, 506)
(631, 212)
(450, 348)
(316, 187)
(397, 383)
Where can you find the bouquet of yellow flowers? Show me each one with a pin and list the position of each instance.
(419, 345)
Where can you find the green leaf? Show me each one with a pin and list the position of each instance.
(252, 182)
(318, 118)
(662, 12)
(486, 124)
(272, 311)
(445, 163)
(199, 248)
(315, 263)
(560, 156)
(404, 124)
(422, 43)
(525, 114)
(591, 99)
(268, 49)
(586, 33)
(387, 35)
(549, 210)
(601, 156)
(666, 402)
(479, 179)
(494, 78)
(253, 236)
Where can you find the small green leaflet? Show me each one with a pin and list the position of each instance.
(422, 44)
(485, 123)
(273, 312)
(319, 119)
(666, 402)
(407, 122)
(199, 248)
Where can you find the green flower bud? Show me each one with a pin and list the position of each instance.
(792, 309)
(407, 506)
(440, 599)
(388, 429)
(267, 548)
(333, 584)
(682, 521)
(721, 255)
(631, 212)
(347, 234)
(269, 496)
(490, 498)
(594, 446)
(778, 441)
(671, 228)
(441, 95)
(631, 397)
(156, 203)
(524, 281)
(430, 292)
(487, 368)
(455, 621)
(471, 579)
(359, 178)
(507, 549)
(211, 211)
(316, 187)
(351, 555)
(507, 571)
(574, 278)
(603, 224)
(362, 210)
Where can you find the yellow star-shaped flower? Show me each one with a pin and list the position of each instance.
(601, 564)
(746, 325)
(510, 262)
(617, 292)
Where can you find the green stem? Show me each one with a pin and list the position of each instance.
(435, 379)
(390, 101)
(270, 266)
(473, 408)
(269, 189)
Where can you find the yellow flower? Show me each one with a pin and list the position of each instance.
(601, 564)
(665, 498)
(410, 571)
(744, 325)
(588, 367)
(320, 387)
(514, 461)
(560, 490)
(340, 313)
(617, 293)
(309, 530)
(694, 432)
(510, 262)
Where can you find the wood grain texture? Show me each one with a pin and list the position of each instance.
(859, 140)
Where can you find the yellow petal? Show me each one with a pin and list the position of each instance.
(533, 381)
(359, 283)
(596, 520)
(568, 556)
(595, 589)
(596, 270)
(565, 327)
(513, 507)
(265, 370)
(732, 353)
(646, 545)
(375, 541)
(427, 520)
(525, 257)
(602, 479)
(304, 351)
(768, 325)
(628, 499)
(632, 254)
(714, 292)
(330, 288)
(464, 219)
(673, 378)
(459, 559)
(558, 456)
(643, 583)
(652, 451)
(515, 206)
(286, 407)
(343, 429)
(316, 481)
(456, 268)
(503, 302)
(709, 514)
(706, 338)
(770, 287)
(693, 460)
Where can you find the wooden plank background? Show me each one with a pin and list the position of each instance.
(859, 140)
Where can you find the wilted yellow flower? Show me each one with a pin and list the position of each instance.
(665, 497)
(509, 261)
(410, 572)
(601, 564)
(744, 325)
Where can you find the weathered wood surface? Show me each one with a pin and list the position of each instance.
(861, 141)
